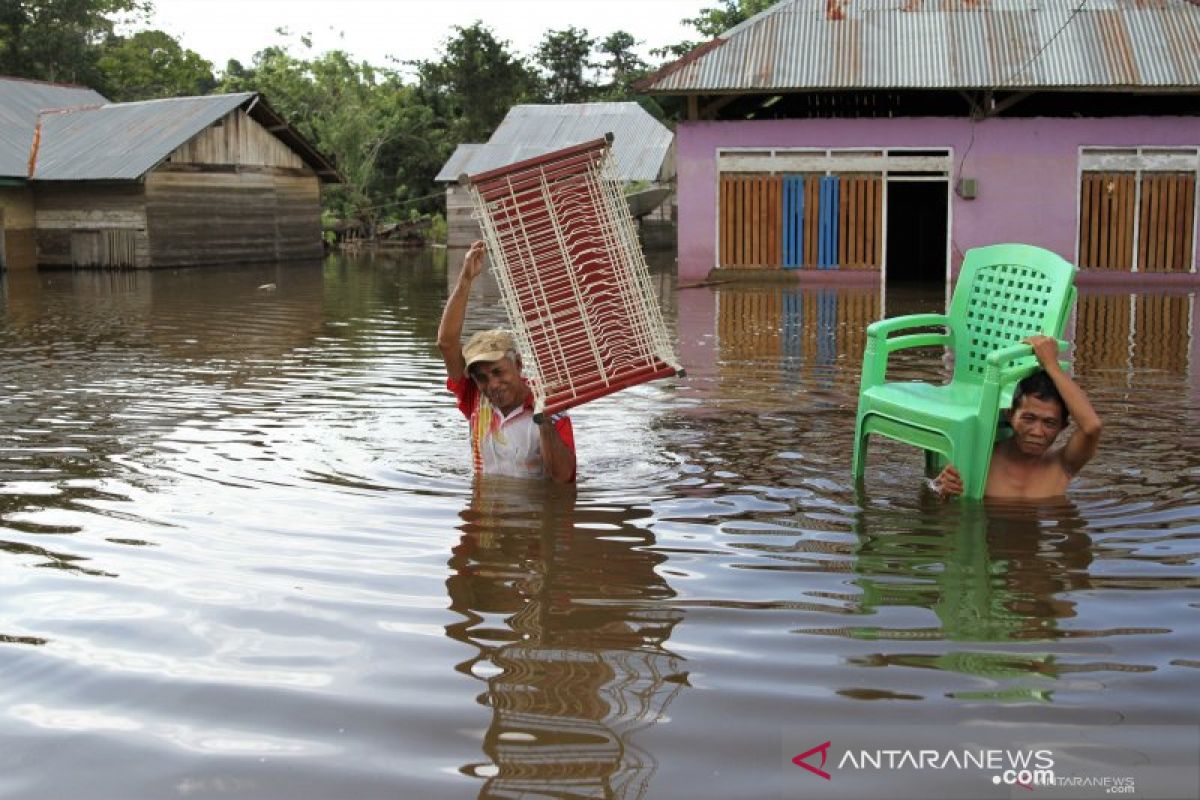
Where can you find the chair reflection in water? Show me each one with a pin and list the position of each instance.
(992, 577)
(1005, 293)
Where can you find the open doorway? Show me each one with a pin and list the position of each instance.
(916, 232)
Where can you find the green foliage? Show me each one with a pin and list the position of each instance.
(60, 40)
(438, 230)
(623, 65)
(152, 64)
(367, 118)
(712, 22)
(563, 55)
(473, 85)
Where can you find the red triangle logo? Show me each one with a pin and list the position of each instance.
(823, 749)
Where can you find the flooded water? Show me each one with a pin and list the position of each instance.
(242, 554)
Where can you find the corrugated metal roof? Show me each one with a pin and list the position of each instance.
(641, 144)
(20, 102)
(949, 44)
(123, 141)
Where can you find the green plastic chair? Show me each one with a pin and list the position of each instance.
(1005, 293)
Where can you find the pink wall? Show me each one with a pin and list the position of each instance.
(1027, 170)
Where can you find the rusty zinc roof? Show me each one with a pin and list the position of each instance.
(124, 141)
(20, 102)
(641, 144)
(948, 44)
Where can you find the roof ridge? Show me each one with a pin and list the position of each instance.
(19, 79)
(173, 99)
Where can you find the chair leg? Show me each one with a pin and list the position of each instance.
(858, 464)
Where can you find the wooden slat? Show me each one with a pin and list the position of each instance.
(1102, 226)
(879, 223)
(1169, 223)
(1128, 195)
(1189, 222)
(776, 222)
(1085, 220)
(752, 219)
(813, 240)
(844, 232)
(1159, 243)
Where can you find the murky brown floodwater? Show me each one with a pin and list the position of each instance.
(241, 553)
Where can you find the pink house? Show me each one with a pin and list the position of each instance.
(868, 139)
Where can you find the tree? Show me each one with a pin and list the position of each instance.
(474, 83)
(59, 40)
(564, 57)
(375, 127)
(623, 64)
(152, 64)
(712, 22)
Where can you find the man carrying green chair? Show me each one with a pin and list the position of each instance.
(1011, 299)
(1023, 466)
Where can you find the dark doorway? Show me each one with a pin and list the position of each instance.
(916, 232)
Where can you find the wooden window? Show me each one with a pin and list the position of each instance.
(1167, 221)
(1137, 209)
(1106, 234)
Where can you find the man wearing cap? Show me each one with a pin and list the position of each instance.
(485, 377)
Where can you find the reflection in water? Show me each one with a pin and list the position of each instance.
(226, 512)
(1116, 334)
(570, 617)
(990, 574)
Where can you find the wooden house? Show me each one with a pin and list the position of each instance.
(166, 183)
(884, 138)
(20, 102)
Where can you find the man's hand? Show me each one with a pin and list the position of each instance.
(948, 483)
(1046, 350)
(473, 261)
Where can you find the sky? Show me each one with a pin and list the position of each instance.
(374, 30)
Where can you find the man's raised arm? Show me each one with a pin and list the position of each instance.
(450, 330)
(1082, 446)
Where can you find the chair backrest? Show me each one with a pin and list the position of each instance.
(1006, 292)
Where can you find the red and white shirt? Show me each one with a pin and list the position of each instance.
(505, 444)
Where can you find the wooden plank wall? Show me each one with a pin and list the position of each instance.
(861, 224)
(461, 226)
(1166, 221)
(214, 217)
(88, 224)
(751, 224)
(812, 220)
(1106, 215)
(239, 140)
(17, 249)
(751, 216)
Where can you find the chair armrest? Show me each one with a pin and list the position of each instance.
(879, 346)
(1023, 354)
(884, 327)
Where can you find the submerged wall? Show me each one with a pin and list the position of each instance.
(17, 249)
(1027, 170)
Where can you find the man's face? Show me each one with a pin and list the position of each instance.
(1036, 423)
(500, 381)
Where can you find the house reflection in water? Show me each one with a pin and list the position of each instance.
(1119, 332)
(563, 606)
(792, 336)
